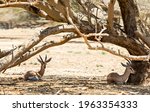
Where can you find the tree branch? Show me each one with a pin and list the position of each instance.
(145, 39)
(27, 6)
(22, 49)
(51, 11)
(41, 48)
(120, 54)
(4, 53)
(100, 35)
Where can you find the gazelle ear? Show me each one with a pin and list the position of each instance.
(123, 64)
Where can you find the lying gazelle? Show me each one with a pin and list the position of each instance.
(121, 79)
(35, 76)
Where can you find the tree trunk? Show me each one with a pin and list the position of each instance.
(129, 13)
(141, 69)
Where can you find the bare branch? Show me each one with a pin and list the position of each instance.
(22, 49)
(120, 54)
(41, 48)
(42, 9)
(77, 29)
(51, 11)
(87, 10)
(145, 39)
(143, 58)
(4, 53)
(27, 6)
(60, 6)
(117, 53)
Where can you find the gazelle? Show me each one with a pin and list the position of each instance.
(35, 76)
(120, 79)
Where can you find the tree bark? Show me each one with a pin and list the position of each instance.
(129, 12)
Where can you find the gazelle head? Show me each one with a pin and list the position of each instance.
(129, 67)
(43, 62)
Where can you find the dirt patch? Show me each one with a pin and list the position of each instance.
(58, 85)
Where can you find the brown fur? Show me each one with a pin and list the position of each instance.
(33, 75)
(120, 79)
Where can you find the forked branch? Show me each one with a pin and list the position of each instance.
(145, 39)
(27, 6)
(100, 35)
(43, 47)
(25, 49)
(46, 9)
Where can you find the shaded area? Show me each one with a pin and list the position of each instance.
(59, 85)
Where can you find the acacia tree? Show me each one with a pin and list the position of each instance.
(93, 21)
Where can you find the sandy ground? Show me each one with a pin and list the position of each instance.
(73, 70)
(72, 58)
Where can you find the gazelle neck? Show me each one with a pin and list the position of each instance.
(42, 70)
(126, 74)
